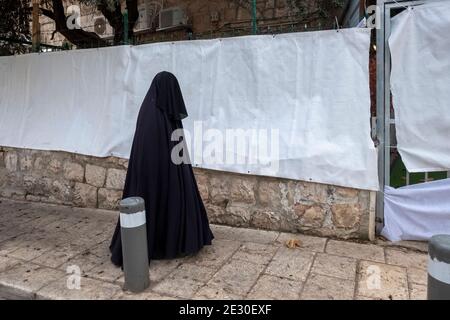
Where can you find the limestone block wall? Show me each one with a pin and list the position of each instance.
(231, 199)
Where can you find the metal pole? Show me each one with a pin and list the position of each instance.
(125, 26)
(439, 268)
(384, 99)
(133, 230)
(380, 119)
(254, 25)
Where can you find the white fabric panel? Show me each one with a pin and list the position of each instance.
(417, 212)
(420, 46)
(72, 101)
(313, 87)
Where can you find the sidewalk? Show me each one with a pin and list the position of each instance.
(40, 243)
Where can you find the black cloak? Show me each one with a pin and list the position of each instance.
(177, 223)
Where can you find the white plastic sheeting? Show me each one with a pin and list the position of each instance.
(309, 91)
(417, 212)
(71, 101)
(420, 78)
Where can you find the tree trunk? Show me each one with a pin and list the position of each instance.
(79, 37)
(115, 19)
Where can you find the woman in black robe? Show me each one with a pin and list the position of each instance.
(177, 223)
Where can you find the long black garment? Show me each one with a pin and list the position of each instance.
(177, 223)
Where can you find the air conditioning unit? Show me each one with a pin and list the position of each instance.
(214, 15)
(102, 26)
(172, 17)
(143, 21)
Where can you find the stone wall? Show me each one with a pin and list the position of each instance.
(231, 199)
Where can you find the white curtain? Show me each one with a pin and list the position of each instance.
(420, 48)
(310, 91)
(417, 212)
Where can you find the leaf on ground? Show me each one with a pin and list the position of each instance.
(293, 243)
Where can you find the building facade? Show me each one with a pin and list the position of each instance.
(161, 20)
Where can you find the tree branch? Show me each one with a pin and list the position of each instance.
(78, 37)
(47, 13)
(114, 19)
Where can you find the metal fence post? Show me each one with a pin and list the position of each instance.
(254, 23)
(439, 268)
(380, 122)
(125, 26)
(134, 244)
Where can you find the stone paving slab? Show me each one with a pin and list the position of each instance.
(420, 246)
(41, 246)
(90, 289)
(29, 278)
(355, 250)
(417, 291)
(309, 243)
(146, 295)
(236, 277)
(255, 252)
(275, 288)
(417, 276)
(335, 266)
(406, 258)
(322, 287)
(382, 281)
(292, 264)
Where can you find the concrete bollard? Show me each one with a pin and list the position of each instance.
(134, 244)
(439, 268)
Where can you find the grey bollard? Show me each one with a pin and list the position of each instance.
(134, 244)
(439, 268)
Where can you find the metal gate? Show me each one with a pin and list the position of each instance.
(388, 174)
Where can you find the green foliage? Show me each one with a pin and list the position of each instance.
(398, 175)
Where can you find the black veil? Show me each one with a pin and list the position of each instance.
(177, 223)
(168, 95)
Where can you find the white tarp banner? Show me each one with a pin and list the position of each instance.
(420, 83)
(417, 212)
(71, 101)
(302, 100)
